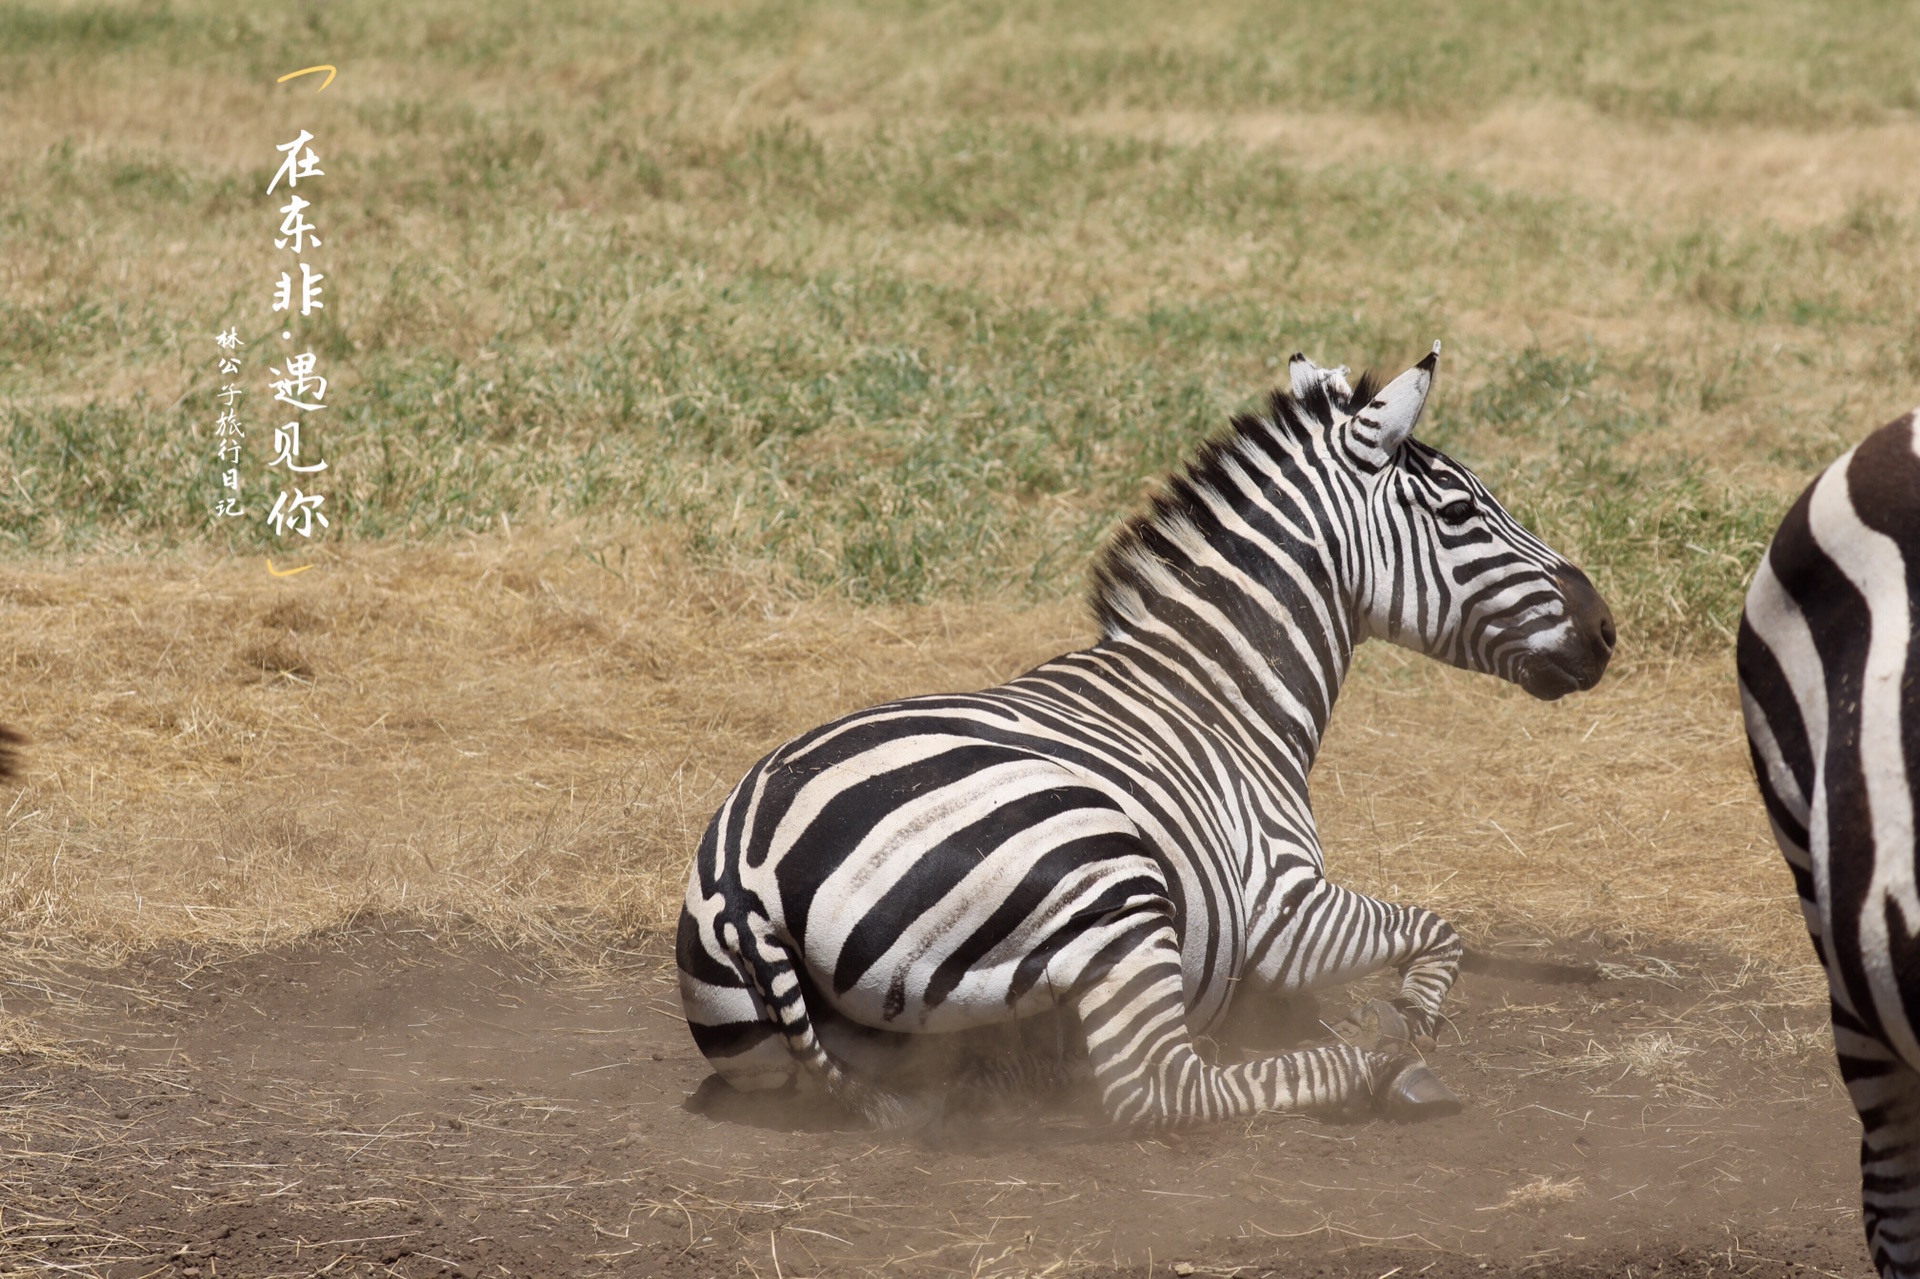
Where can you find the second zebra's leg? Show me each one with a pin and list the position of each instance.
(1886, 1091)
(1148, 1072)
(1334, 935)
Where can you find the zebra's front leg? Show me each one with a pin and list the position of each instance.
(1333, 935)
(1143, 1057)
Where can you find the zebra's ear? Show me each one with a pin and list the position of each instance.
(1308, 378)
(1386, 421)
(1304, 374)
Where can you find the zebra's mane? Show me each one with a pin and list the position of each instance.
(1129, 567)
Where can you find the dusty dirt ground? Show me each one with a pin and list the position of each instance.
(391, 1099)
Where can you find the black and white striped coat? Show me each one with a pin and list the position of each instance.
(1829, 657)
(1116, 845)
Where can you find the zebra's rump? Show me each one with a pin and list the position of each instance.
(1829, 659)
(931, 860)
(1827, 651)
(940, 877)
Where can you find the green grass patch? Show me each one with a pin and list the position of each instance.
(898, 300)
(1670, 543)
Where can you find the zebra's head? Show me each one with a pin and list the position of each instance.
(1442, 568)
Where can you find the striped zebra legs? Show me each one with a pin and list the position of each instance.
(1336, 935)
(1883, 1085)
(1143, 1057)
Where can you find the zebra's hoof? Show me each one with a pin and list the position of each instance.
(1417, 1093)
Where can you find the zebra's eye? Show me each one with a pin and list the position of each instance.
(1458, 511)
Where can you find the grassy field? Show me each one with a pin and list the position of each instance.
(911, 301)
(876, 316)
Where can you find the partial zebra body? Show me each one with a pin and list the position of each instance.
(1829, 658)
(1087, 865)
(952, 864)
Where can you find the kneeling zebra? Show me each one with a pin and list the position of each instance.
(1107, 850)
(1829, 657)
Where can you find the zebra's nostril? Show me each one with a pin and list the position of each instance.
(1606, 632)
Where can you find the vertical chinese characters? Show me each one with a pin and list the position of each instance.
(297, 383)
(227, 431)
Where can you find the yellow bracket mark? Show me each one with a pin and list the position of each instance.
(309, 71)
(289, 572)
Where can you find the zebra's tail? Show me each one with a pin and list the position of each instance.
(769, 966)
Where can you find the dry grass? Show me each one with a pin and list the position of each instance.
(1539, 1192)
(501, 729)
(1670, 171)
(1629, 810)
(506, 730)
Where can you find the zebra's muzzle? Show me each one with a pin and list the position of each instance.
(1577, 663)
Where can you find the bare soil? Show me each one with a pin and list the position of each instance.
(397, 1098)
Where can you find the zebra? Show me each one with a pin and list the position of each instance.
(1829, 663)
(1101, 854)
(10, 741)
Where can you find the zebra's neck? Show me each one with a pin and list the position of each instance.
(1235, 595)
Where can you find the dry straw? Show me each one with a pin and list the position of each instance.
(532, 733)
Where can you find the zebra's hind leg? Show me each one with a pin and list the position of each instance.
(1134, 1017)
(1886, 1091)
(1336, 935)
